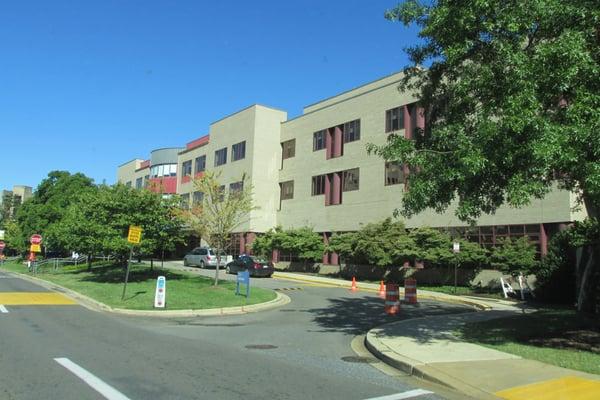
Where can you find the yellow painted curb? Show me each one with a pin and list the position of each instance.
(569, 387)
(33, 298)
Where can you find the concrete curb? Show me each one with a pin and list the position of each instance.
(369, 287)
(95, 305)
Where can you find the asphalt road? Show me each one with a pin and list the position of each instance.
(306, 349)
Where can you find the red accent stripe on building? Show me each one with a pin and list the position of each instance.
(145, 164)
(197, 143)
(166, 184)
(186, 178)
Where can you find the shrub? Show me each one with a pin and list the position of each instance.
(514, 256)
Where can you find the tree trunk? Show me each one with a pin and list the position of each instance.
(591, 272)
(89, 262)
(218, 265)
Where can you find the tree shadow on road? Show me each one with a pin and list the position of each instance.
(358, 315)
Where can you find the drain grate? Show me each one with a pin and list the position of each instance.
(261, 346)
(357, 359)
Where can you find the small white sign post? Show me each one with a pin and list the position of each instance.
(160, 296)
(456, 250)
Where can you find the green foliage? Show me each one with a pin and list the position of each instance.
(511, 101)
(14, 238)
(221, 212)
(383, 243)
(100, 220)
(514, 256)
(303, 242)
(388, 243)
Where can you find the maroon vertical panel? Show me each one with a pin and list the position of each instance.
(325, 254)
(420, 118)
(543, 241)
(408, 131)
(336, 191)
(334, 259)
(337, 142)
(327, 189)
(328, 144)
(275, 256)
(242, 243)
(250, 236)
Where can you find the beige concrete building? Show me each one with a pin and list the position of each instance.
(12, 199)
(314, 170)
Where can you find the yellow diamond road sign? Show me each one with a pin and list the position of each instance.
(135, 234)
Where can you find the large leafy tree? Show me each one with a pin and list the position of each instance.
(98, 223)
(220, 212)
(511, 100)
(48, 205)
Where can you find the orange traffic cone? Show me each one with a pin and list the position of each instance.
(353, 288)
(382, 290)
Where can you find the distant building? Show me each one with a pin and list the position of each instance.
(12, 199)
(314, 170)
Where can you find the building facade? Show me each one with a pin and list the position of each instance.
(314, 170)
(10, 200)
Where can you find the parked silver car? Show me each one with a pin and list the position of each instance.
(204, 257)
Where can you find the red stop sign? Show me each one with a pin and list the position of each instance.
(2, 245)
(36, 239)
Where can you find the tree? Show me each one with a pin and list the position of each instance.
(304, 242)
(514, 256)
(511, 102)
(98, 223)
(48, 205)
(220, 213)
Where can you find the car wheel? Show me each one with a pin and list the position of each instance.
(185, 262)
(202, 265)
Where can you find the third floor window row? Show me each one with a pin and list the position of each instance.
(344, 133)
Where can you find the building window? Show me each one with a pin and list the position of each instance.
(287, 190)
(186, 168)
(318, 185)
(221, 157)
(352, 131)
(350, 180)
(139, 183)
(200, 164)
(158, 171)
(238, 151)
(288, 149)
(319, 140)
(394, 119)
(146, 180)
(198, 198)
(236, 187)
(128, 183)
(185, 201)
(394, 173)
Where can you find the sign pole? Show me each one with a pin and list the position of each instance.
(127, 273)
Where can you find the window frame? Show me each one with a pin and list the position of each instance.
(386, 176)
(236, 149)
(317, 182)
(388, 119)
(355, 131)
(186, 168)
(196, 162)
(322, 134)
(221, 152)
(285, 154)
(282, 191)
(350, 172)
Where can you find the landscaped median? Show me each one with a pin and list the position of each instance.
(104, 284)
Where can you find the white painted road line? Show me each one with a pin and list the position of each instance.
(404, 395)
(3, 309)
(94, 382)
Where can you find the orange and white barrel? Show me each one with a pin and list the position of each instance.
(410, 290)
(392, 295)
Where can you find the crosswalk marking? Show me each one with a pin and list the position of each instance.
(404, 395)
(34, 298)
(3, 309)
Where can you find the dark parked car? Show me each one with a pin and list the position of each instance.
(255, 265)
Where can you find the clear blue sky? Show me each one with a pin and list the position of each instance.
(88, 85)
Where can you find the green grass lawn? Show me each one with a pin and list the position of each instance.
(184, 291)
(553, 336)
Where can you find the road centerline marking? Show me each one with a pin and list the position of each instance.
(404, 395)
(3, 309)
(91, 380)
